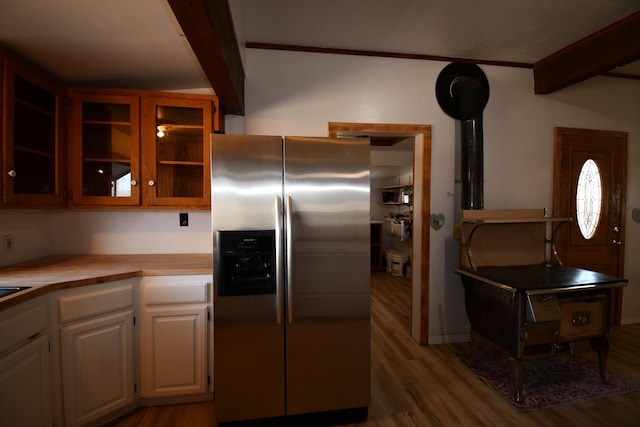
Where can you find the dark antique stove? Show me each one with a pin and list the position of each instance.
(519, 301)
(519, 298)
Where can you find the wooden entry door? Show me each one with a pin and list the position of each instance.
(603, 249)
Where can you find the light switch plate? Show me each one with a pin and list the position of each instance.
(184, 219)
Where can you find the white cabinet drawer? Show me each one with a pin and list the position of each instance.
(174, 289)
(95, 300)
(19, 323)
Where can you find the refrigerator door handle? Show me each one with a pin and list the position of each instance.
(289, 250)
(279, 277)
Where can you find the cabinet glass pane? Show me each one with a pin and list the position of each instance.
(106, 179)
(179, 151)
(180, 181)
(34, 139)
(106, 149)
(180, 145)
(104, 112)
(167, 115)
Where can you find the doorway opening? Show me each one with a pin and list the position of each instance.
(416, 139)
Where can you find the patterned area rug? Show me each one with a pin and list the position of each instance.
(549, 382)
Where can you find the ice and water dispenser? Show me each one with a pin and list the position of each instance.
(246, 262)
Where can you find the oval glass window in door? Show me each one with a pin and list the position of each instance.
(589, 198)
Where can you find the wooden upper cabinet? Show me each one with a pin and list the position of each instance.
(89, 147)
(32, 135)
(104, 150)
(139, 148)
(176, 154)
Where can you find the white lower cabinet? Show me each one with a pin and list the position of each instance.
(174, 328)
(25, 371)
(73, 358)
(97, 350)
(173, 351)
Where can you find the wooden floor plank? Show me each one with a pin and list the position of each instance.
(418, 386)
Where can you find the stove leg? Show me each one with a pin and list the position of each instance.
(602, 347)
(518, 372)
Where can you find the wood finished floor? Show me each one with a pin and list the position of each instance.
(419, 386)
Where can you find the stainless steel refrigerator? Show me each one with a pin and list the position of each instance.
(291, 225)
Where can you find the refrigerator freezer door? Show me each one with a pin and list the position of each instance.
(248, 341)
(327, 330)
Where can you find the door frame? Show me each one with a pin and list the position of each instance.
(421, 163)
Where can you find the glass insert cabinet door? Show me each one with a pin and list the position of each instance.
(176, 151)
(105, 150)
(32, 139)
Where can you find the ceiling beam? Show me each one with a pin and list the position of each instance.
(208, 26)
(603, 51)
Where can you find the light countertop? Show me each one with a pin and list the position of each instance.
(57, 272)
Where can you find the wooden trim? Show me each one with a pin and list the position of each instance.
(425, 130)
(618, 44)
(208, 26)
(381, 54)
(621, 75)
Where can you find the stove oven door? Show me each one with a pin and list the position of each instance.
(583, 317)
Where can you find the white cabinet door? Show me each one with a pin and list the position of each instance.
(97, 366)
(173, 350)
(25, 390)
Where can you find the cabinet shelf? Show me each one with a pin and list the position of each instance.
(176, 126)
(180, 163)
(396, 187)
(106, 123)
(107, 159)
(39, 153)
(35, 108)
(394, 195)
(397, 204)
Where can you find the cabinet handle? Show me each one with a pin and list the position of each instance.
(151, 183)
(12, 173)
(134, 182)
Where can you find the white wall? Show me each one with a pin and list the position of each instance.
(38, 233)
(30, 234)
(299, 93)
(129, 232)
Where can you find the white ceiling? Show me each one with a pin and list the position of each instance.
(111, 43)
(498, 30)
(139, 44)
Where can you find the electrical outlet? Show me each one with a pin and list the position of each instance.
(184, 219)
(7, 242)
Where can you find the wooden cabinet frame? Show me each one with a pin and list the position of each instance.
(53, 197)
(144, 156)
